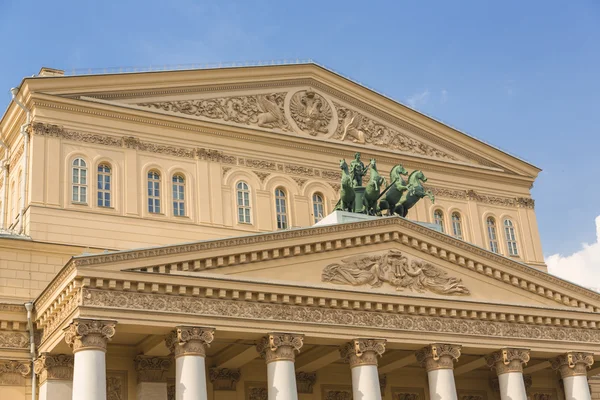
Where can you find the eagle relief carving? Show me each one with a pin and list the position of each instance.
(394, 269)
(311, 112)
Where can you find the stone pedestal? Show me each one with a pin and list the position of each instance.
(573, 370)
(55, 373)
(88, 339)
(278, 350)
(362, 355)
(438, 360)
(151, 377)
(188, 344)
(508, 363)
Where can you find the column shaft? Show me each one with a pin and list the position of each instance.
(362, 355)
(365, 383)
(278, 350)
(438, 360)
(573, 371)
(508, 363)
(512, 386)
(441, 384)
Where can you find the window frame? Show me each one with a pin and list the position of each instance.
(181, 192)
(103, 190)
(457, 223)
(440, 219)
(156, 199)
(315, 203)
(512, 246)
(278, 213)
(492, 242)
(246, 206)
(81, 170)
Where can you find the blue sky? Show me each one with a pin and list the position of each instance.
(523, 76)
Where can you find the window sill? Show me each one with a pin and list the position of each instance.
(76, 203)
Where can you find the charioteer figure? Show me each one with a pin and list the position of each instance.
(357, 170)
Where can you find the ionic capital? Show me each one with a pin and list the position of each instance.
(54, 367)
(280, 346)
(190, 340)
(89, 334)
(360, 352)
(572, 363)
(152, 369)
(438, 356)
(508, 360)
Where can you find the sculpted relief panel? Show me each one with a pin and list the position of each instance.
(394, 269)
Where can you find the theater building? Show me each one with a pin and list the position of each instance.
(172, 235)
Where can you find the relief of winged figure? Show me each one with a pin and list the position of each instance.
(271, 115)
(351, 127)
(311, 112)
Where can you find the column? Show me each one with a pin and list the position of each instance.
(573, 370)
(278, 350)
(88, 338)
(188, 344)
(362, 355)
(56, 376)
(152, 377)
(508, 363)
(438, 360)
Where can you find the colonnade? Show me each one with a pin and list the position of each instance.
(89, 338)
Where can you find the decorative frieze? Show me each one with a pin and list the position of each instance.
(472, 195)
(573, 363)
(54, 367)
(88, 334)
(190, 340)
(14, 340)
(279, 346)
(152, 369)
(13, 373)
(438, 356)
(395, 269)
(359, 352)
(258, 164)
(305, 381)
(508, 360)
(224, 378)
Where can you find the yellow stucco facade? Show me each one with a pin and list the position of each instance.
(107, 176)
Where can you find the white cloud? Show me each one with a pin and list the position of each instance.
(581, 267)
(418, 99)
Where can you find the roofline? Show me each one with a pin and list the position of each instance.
(309, 62)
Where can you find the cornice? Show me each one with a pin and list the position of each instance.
(453, 250)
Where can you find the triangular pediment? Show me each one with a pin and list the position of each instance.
(386, 256)
(299, 102)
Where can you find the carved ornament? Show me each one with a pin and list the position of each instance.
(190, 340)
(13, 372)
(14, 340)
(116, 385)
(279, 346)
(311, 112)
(262, 110)
(355, 127)
(305, 381)
(508, 360)
(262, 175)
(258, 393)
(438, 356)
(224, 378)
(89, 334)
(359, 352)
(338, 395)
(394, 269)
(573, 363)
(54, 367)
(152, 369)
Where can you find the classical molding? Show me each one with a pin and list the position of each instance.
(394, 318)
(13, 373)
(453, 250)
(358, 128)
(438, 356)
(190, 340)
(572, 363)
(305, 381)
(472, 195)
(63, 308)
(152, 369)
(395, 269)
(54, 367)
(508, 360)
(224, 378)
(89, 334)
(278, 346)
(359, 352)
(14, 340)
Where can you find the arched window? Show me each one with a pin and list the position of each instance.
(178, 195)
(243, 203)
(281, 209)
(457, 226)
(79, 181)
(492, 234)
(104, 185)
(318, 207)
(511, 238)
(438, 219)
(154, 192)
